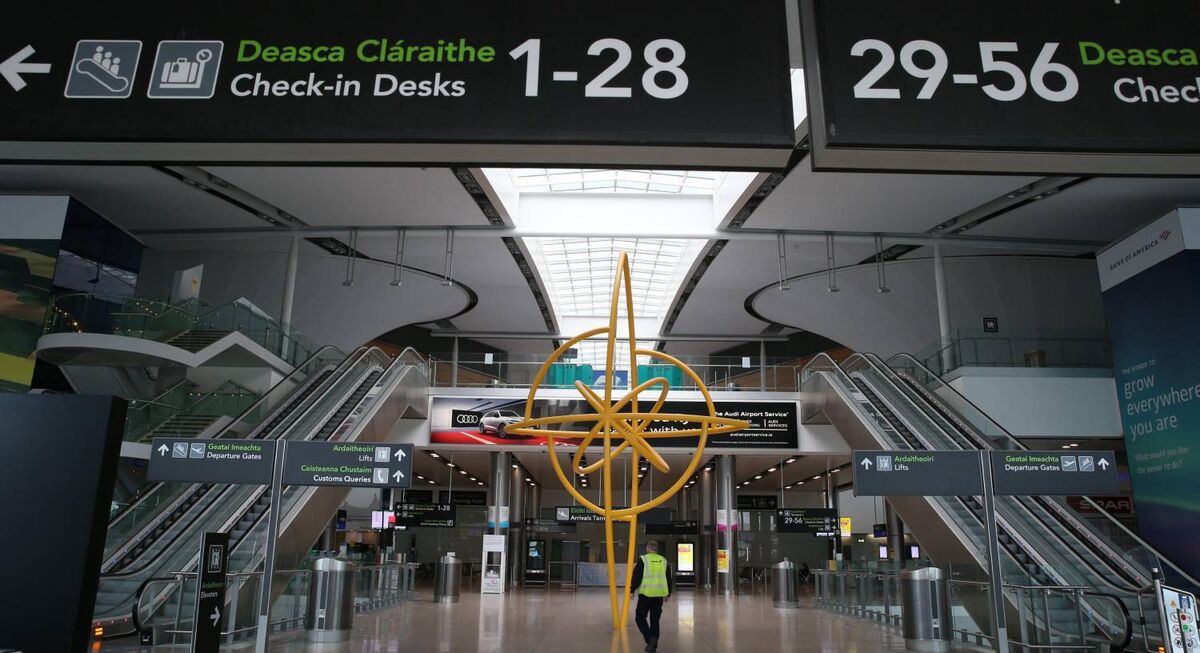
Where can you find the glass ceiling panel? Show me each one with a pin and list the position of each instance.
(581, 273)
(580, 180)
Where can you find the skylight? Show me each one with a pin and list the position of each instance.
(581, 272)
(579, 180)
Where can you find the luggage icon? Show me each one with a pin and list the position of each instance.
(184, 72)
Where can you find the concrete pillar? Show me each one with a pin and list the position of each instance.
(516, 526)
(534, 508)
(762, 365)
(454, 363)
(895, 534)
(499, 490)
(943, 310)
(727, 583)
(706, 556)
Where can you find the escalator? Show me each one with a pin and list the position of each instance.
(900, 406)
(142, 536)
(360, 399)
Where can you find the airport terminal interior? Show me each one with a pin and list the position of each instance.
(506, 327)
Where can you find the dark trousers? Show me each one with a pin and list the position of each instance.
(649, 606)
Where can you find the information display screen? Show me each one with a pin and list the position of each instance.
(684, 556)
(821, 522)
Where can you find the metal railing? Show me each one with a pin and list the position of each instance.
(876, 596)
(376, 586)
(730, 373)
(160, 321)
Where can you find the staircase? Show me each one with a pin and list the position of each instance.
(194, 341)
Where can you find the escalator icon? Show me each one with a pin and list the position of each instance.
(103, 69)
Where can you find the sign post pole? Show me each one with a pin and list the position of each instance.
(264, 601)
(999, 627)
(210, 593)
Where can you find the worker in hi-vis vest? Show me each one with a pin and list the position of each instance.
(654, 582)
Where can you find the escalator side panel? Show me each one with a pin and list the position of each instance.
(939, 539)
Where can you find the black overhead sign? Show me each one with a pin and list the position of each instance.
(821, 522)
(904, 86)
(458, 72)
(1054, 472)
(248, 462)
(917, 473)
(683, 527)
(348, 464)
(210, 593)
(426, 515)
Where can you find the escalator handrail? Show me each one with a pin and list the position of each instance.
(1127, 637)
(1009, 436)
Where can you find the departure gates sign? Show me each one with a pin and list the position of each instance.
(900, 85)
(388, 72)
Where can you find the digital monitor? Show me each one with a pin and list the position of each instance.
(914, 552)
(883, 552)
(376, 519)
(684, 556)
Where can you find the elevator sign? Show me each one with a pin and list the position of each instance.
(348, 464)
(1011, 85)
(317, 80)
(917, 473)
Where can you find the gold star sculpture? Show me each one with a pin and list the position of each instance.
(621, 425)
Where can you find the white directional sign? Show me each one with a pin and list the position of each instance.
(212, 460)
(1054, 472)
(13, 67)
(349, 464)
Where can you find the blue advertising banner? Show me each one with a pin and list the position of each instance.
(1153, 318)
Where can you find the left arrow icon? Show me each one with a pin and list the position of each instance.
(13, 67)
(162, 450)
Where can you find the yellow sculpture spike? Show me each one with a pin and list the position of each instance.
(611, 423)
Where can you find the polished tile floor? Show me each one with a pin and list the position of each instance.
(539, 621)
(579, 622)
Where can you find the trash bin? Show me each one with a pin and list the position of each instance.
(925, 610)
(330, 613)
(783, 584)
(448, 580)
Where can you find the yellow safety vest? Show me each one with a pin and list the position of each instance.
(654, 576)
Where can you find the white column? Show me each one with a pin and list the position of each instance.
(945, 344)
(289, 296)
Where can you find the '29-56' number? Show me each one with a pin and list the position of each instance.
(1044, 69)
(663, 56)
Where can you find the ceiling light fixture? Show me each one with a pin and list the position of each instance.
(789, 461)
(434, 454)
(769, 470)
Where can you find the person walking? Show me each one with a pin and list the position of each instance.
(654, 583)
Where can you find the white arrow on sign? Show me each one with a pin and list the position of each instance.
(398, 475)
(1103, 464)
(866, 463)
(14, 66)
(215, 616)
(162, 450)
(399, 454)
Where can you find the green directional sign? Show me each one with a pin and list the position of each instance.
(1054, 472)
(917, 473)
(247, 462)
(348, 464)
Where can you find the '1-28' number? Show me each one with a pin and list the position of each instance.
(664, 57)
(933, 74)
